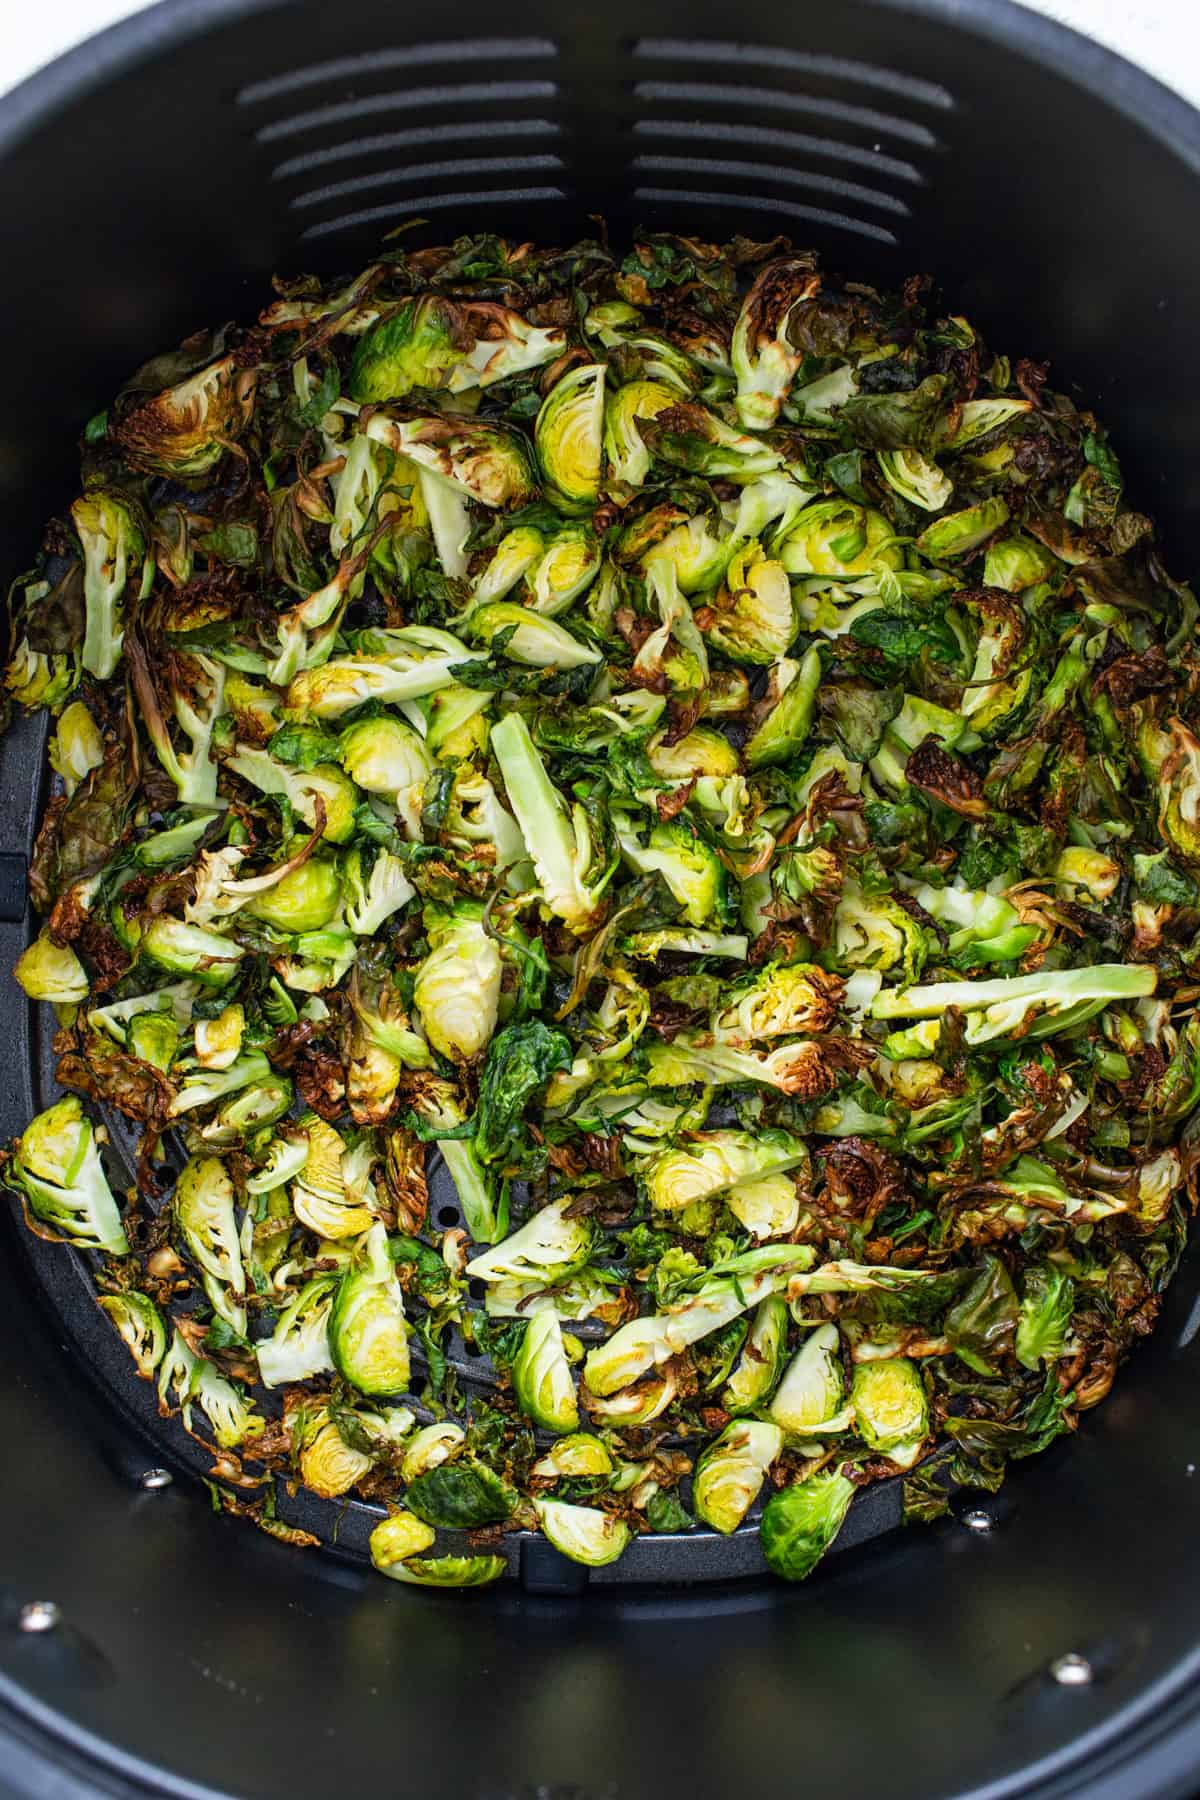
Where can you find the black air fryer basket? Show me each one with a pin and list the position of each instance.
(1044, 1641)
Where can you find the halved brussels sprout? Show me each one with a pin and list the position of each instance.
(218, 1041)
(624, 446)
(204, 1212)
(460, 1496)
(457, 987)
(542, 1379)
(518, 551)
(368, 1337)
(701, 752)
(569, 438)
(752, 619)
(711, 1162)
(399, 1536)
(690, 867)
(50, 971)
(890, 1408)
(77, 746)
(528, 638)
(430, 1447)
(56, 1166)
(548, 1248)
(141, 1328)
(761, 1358)
(957, 534)
(573, 1458)
(445, 1571)
(321, 1198)
(840, 539)
(298, 1348)
(800, 1523)
(809, 1395)
(191, 950)
(915, 478)
(583, 1533)
(767, 1206)
(565, 570)
(328, 1464)
(732, 1470)
(184, 432)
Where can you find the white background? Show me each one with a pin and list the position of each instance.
(1162, 35)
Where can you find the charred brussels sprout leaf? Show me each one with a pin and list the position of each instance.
(459, 1496)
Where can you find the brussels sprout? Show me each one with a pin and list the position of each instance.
(723, 1295)
(548, 1249)
(777, 1000)
(760, 1360)
(76, 747)
(518, 551)
(573, 1458)
(808, 1397)
(689, 866)
(915, 478)
(638, 1404)
(583, 1533)
(458, 724)
(302, 788)
(304, 900)
(569, 438)
(791, 704)
(890, 1408)
(1016, 563)
(50, 971)
(200, 1087)
(368, 1338)
(218, 1040)
(184, 431)
(298, 1348)
(975, 419)
(394, 666)
(691, 437)
(1087, 875)
(285, 1157)
(1047, 1302)
(562, 847)
(56, 1166)
(430, 1447)
(752, 618)
(957, 534)
(204, 1213)
(399, 1536)
(386, 756)
(328, 1464)
(427, 343)
(141, 1328)
(261, 1102)
(376, 886)
(624, 446)
(457, 987)
(153, 1037)
(766, 1206)
(565, 570)
(321, 1198)
(732, 1470)
(528, 638)
(482, 460)
(763, 357)
(184, 1378)
(445, 1571)
(800, 1523)
(712, 1162)
(542, 1377)
(460, 1496)
(113, 546)
(701, 752)
(839, 539)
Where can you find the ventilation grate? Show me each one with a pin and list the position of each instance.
(812, 67)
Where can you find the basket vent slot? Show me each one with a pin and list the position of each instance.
(764, 203)
(811, 66)
(484, 51)
(420, 204)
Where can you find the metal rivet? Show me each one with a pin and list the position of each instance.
(39, 1615)
(157, 1478)
(1071, 1670)
(978, 1520)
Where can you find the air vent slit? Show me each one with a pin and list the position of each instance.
(726, 94)
(421, 137)
(426, 203)
(812, 215)
(484, 51)
(801, 62)
(428, 171)
(766, 137)
(773, 172)
(471, 93)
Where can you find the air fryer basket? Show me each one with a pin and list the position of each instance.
(151, 182)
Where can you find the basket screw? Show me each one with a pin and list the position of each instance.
(978, 1520)
(1071, 1670)
(153, 1479)
(39, 1615)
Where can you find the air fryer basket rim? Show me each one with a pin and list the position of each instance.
(1160, 1729)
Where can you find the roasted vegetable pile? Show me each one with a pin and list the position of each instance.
(707, 751)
